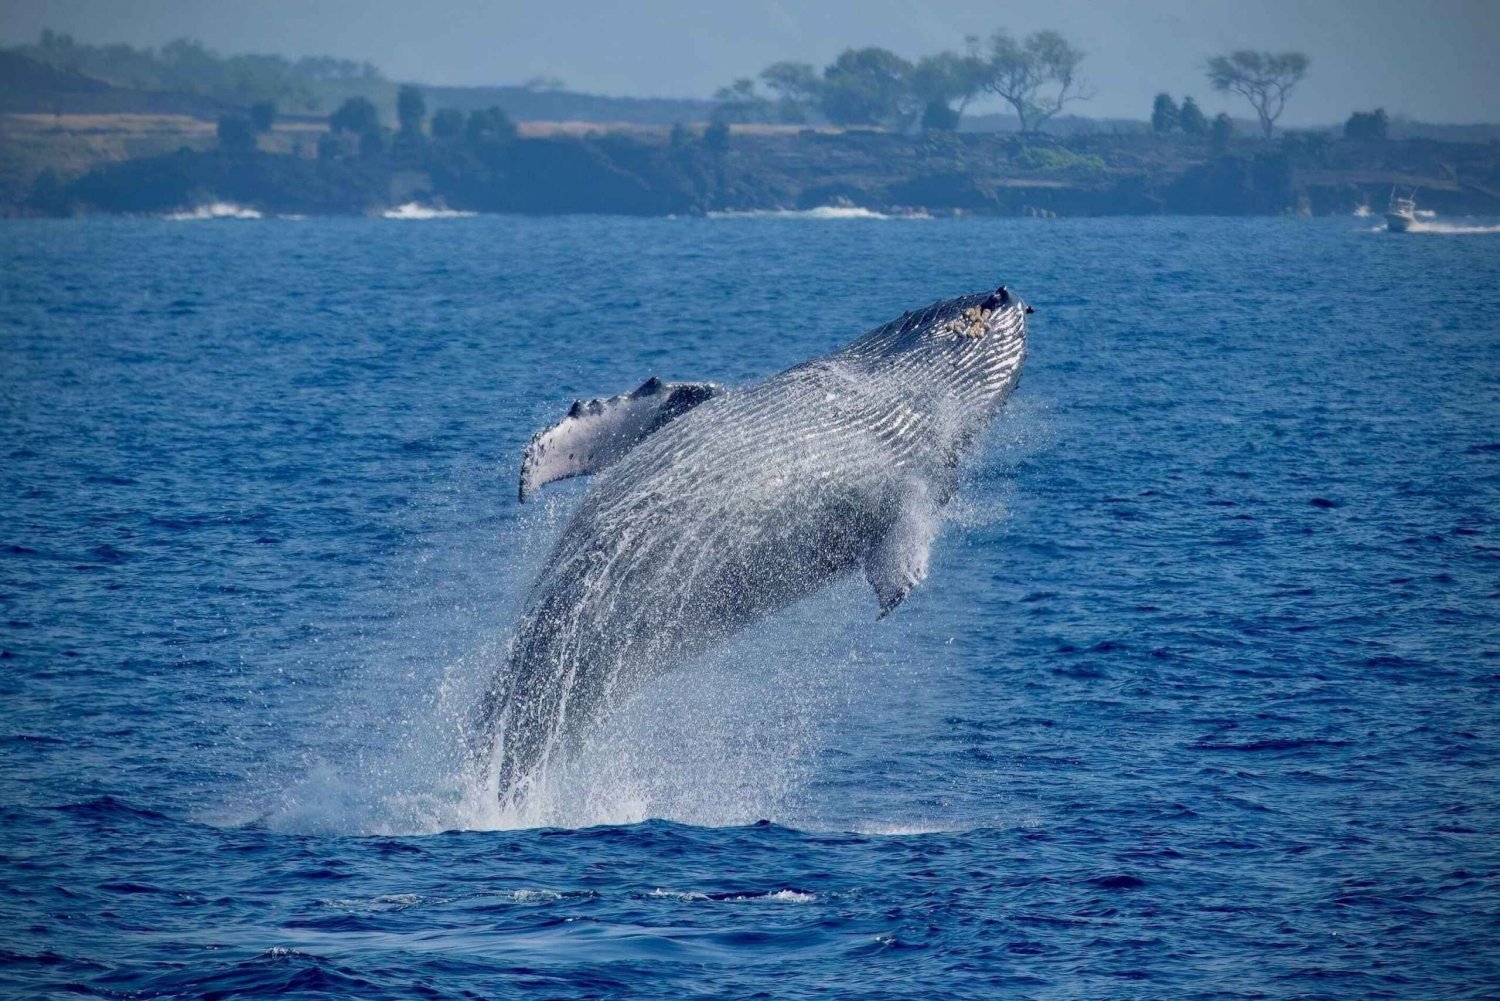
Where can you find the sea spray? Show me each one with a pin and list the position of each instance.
(729, 741)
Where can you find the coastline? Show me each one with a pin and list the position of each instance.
(645, 172)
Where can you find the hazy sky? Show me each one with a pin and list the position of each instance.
(1436, 60)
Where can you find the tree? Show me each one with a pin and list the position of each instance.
(1036, 77)
(1220, 132)
(716, 137)
(447, 123)
(355, 115)
(410, 109)
(938, 117)
(797, 89)
(1191, 119)
(939, 80)
(677, 139)
(1263, 78)
(867, 87)
(331, 146)
(1164, 114)
(236, 134)
(263, 115)
(740, 103)
(371, 143)
(489, 125)
(1367, 125)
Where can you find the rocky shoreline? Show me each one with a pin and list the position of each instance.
(690, 172)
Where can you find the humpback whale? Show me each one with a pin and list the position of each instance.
(711, 509)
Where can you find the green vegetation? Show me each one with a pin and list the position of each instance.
(1190, 118)
(186, 66)
(1164, 114)
(236, 134)
(867, 87)
(874, 87)
(263, 115)
(1058, 159)
(447, 122)
(1367, 125)
(940, 80)
(1220, 132)
(1265, 79)
(716, 138)
(1036, 77)
(411, 109)
(356, 115)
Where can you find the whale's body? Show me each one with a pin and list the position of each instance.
(712, 509)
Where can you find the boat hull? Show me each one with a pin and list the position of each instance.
(1397, 223)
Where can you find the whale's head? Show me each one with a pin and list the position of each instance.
(970, 348)
(1000, 315)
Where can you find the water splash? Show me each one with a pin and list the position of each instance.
(727, 742)
(1450, 228)
(416, 210)
(1440, 228)
(822, 212)
(215, 210)
(730, 735)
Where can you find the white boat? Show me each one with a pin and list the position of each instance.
(1401, 213)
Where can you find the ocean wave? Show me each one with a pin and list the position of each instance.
(416, 210)
(1426, 225)
(821, 212)
(784, 896)
(1448, 227)
(216, 210)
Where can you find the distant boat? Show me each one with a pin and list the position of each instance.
(1401, 213)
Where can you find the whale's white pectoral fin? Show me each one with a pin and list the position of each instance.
(898, 560)
(597, 432)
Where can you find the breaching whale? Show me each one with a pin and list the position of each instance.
(713, 508)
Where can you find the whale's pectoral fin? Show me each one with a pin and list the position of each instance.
(597, 432)
(897, 562)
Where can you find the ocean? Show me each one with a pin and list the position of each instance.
(1199, 700)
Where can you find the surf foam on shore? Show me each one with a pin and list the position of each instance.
(216, 210)
(416, 210)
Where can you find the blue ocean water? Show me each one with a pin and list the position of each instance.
(1199, 699)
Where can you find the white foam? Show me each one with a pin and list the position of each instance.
(787, 897)
(216, 210)
(1448, 227)
(416, 210)
(704, 746)
(821, 212)
(1442, 228)
(774, 896)
(535, 896)
(661, 894)
(904, 830)
(375, 905)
